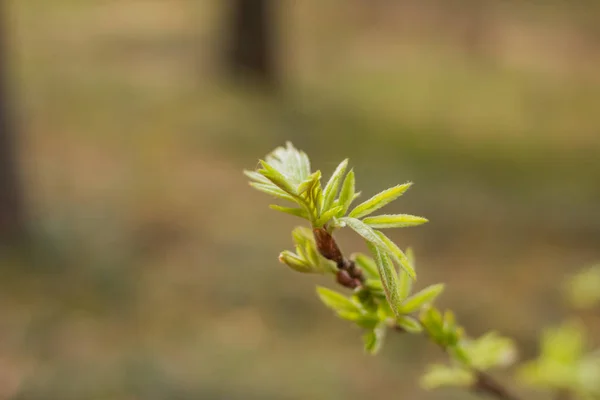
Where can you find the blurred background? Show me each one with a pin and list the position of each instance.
(138, 264)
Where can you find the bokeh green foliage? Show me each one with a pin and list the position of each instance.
(566, 363)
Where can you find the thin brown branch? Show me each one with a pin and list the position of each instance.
(486, 384)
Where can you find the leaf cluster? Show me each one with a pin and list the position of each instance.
(286, 175)
(468, 356)
(369, 309)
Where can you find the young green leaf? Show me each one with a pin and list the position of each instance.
(255, 176)
(409, 324)
(291, 162)
(379, 200)
(405, 279)
(365, 298)
(491, 350)
(373, 339)
(389, 279)
(272, 190)
(366, 232)
(425, 296)
(441, 375)
(405, 282)
(394, 221)
(432, 322)
(366, 264)
(327, 215)
(333, 186)
(399, 256)
(297, 212)
(296, 263)
(309, 182)
(347, 194)
(367, 321)
(277, 178)
(411, 256)
(336, 301)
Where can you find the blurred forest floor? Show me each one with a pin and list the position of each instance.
(154, 271)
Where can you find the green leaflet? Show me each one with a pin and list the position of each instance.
(389, 279)
(394, 221)
(366, 232)
(441, 375)
(309, 182)
(367, 321)
(326, 216)
(379, 200)
(409, 324)
(366, 264)
(336, 301)
(296, 263)
(418, 300)
(373, 339)
(297, 212)
(272, 190)
(490, 350)
(347, 193)
(432, 322)
(405, 282)
(291, 162)
(399, 256)
(277, 178)
(257, 177)
(333, 186)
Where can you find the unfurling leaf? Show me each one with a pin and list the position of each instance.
(389, 279)
(394, 221)
(405, 282)
(373, 339)
(296, 263)
(433, 323)
(418, 300)
(379, 200)
(277, 178)
(333, 186)
(366, 321)
(297, 212)
(367, 264)
(336, 301)
(439, 375)
(399, 256)
(255, 176)
(490, 350)
(309, 182)
(272, 190)
(327, 215)
(289, 161)
(370, 235)
(307, 259)
(409, 324)
(347, 194)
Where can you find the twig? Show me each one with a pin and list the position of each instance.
(486, 384)
(351, 276)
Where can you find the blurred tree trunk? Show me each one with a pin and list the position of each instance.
(11, 205)
(251, 53)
